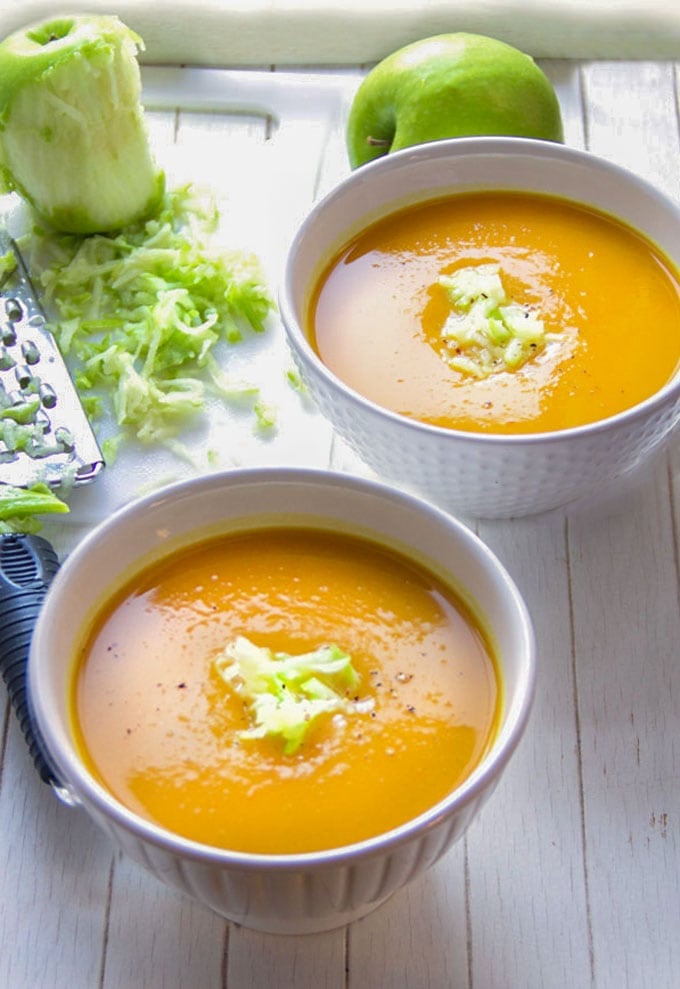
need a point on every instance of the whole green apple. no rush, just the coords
(451, 85)
(73, 140)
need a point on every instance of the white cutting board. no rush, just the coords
(262, 187)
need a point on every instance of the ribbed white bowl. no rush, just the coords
(481, 475)
(279, 893)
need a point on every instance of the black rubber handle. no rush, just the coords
(27, 566)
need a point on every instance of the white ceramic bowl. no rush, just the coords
(480, 475)
(279, 893)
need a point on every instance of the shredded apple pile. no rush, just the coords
(286, 694)
(138, 314)
(19, 507)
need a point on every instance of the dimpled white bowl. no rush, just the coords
(291, 894)
(474, 474)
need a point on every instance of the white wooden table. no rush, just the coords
(571, 877)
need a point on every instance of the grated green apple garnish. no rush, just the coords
(266, 416)
(138, 314)
(487, 332)
(21, 430)
(20, 506)
(286, 694)
(8, 263)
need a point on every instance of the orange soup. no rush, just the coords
(174, 741)
(608, 301)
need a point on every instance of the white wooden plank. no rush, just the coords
(631, 118)
(419, 937)
(159, 937)
(627, 628)
(4, 728)
(314, 961)
(674, 481)
(526, 852)
(626, 642)
(54, 882)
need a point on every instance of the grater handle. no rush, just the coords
(27, 566)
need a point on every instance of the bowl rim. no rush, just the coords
(84, 789)
(456, 148)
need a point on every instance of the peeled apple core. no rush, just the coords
(73, 139)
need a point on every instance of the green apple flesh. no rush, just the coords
(73, 139)
(451, 85)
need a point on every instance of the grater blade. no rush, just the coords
(36, 390)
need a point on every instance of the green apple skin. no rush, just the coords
(73, 140)
(28, 55)
(451, 85)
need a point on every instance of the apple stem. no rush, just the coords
(377, 142)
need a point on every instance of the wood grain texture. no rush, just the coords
(627, 629)
(571, 875)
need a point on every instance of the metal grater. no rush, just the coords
(36, 391)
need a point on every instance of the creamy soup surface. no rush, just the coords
(162, 731)
(611, 299)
